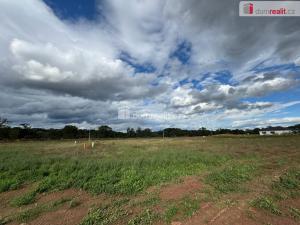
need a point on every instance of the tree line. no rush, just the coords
(25, 131)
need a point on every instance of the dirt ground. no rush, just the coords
(226, 209)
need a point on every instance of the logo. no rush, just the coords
(248, 8)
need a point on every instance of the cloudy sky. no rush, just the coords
(169, 63)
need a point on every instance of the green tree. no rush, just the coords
(3, 122)
(70, 131)
(105, 131)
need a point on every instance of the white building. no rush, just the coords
(274, 132)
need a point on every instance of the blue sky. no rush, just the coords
(170, 63)
(74, 9)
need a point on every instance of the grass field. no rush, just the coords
(212, 180)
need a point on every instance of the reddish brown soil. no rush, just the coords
(235, 216)
(66, 194)
(6, 197)
(239, 214)
(64, 215)
(67, 215)
(176, 191)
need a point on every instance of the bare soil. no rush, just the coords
(189, 186)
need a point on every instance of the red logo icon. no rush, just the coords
(248, 8)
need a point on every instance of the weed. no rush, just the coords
(147, 217)
(230, 178)
(106, 214)
(170, 212)
(189, 206)
(25, 199)
(4, 221)
(288, 184)
(33, 213)
(129, 174)
(266, 203)
(154, 200)
(295, 213)
(74, 203)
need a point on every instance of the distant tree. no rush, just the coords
(255, 131)
(55, 133)
(105, 131)
(14, 133)
(147, 132)
(3, 122)
(26, 132)
(203, 132)
(139, 132)
(25, 125)
(130, 132)
(70, 131)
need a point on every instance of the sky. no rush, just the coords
(147, 63)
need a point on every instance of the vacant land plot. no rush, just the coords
(213, 180)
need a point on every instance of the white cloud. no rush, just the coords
(80, 61)
(266, 122)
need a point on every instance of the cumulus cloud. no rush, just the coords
(262, 123)
(191, 58)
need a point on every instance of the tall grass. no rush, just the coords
(127, 174)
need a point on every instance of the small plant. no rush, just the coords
(190, 206)
(266, 203)
(147, 217)
(74, 203)
(30, 214)
(104, 215)
(33, 213)
(151, 201)
(4, 221)
(288, 184)
(170, 213)
(295, 213)
(230, 178)
(25, 199)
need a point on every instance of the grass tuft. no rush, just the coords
(25, 199)
(104, 215)
(190, 206)
(170, 213)
(266, 203)
(130, 173)
(74, 203)
(288, 184)
(230, 178)
(33, 213)
(295, 213)
(147, 217)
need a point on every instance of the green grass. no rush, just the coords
(295, 213)
(170, 213)
(189, 206)
(147, 217)
(288, 185)
(184, 208)
(231, 178)
(122, 175)
(33, 213)
(151, 201)
(4, 221)
(24, 199)
(267, 204)
(104, 215)
(125, 169)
